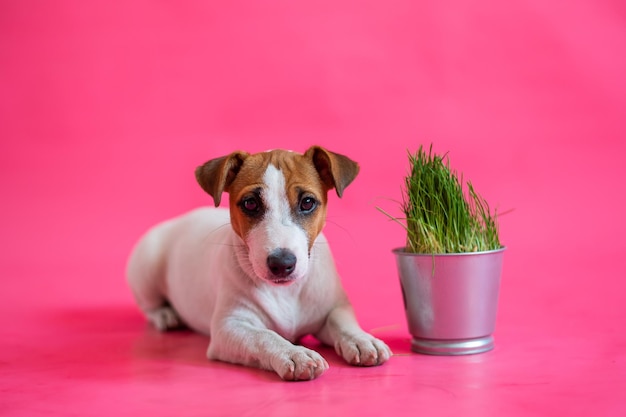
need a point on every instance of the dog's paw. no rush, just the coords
(164, 318)
(299, 364)
(362, 349)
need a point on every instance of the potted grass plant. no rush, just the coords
(450, 266)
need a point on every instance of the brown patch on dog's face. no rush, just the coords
(304, 191)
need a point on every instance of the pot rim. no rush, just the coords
(401, 251)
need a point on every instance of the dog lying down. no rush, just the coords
(259, 276)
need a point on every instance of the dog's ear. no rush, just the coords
(217, 174)
(336, 171)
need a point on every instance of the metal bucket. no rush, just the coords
(451, 300)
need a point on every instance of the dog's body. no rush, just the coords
(258, 277)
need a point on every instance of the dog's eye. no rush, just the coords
(251, 205)
(307, 205)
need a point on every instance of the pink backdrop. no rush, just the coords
(106, 108)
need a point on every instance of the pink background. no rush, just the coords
(106, 107)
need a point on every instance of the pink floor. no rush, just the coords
(73, 344)
(107, 107)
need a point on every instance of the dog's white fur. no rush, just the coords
(196, 270)
(278, 229)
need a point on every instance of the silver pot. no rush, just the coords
(451, 300)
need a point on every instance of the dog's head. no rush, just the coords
(277, 203)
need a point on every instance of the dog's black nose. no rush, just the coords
(281, 262)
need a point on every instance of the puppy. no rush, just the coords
(260, 276)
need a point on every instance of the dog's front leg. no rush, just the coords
(357, 347)
(242, 342)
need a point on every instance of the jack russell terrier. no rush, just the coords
(260, 276)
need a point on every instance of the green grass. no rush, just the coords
(440, 215)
